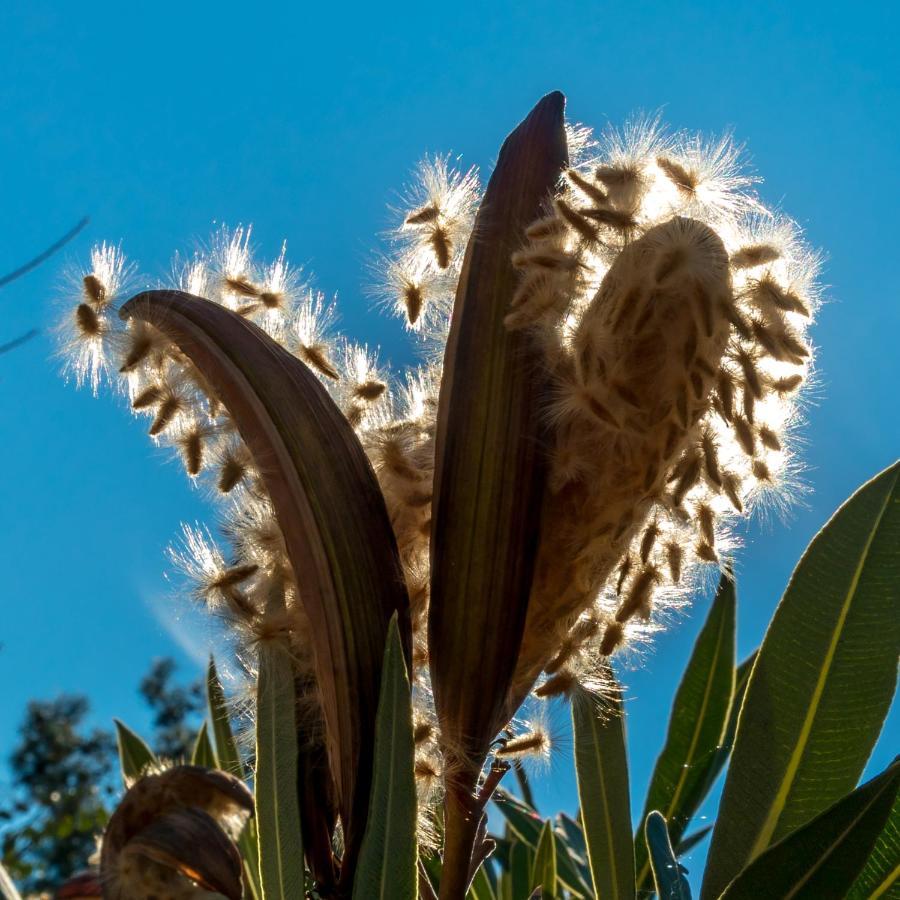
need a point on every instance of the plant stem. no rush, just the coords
(461, 824)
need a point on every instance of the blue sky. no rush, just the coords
(161, 120)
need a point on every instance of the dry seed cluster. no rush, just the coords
(670, 309)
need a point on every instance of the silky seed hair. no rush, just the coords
(671, 311)
(671, 308)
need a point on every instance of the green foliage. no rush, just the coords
(543, 873)
(135, 757)
(61, 772)
(823, 857)
(821, 686)
(668, 879)
(387, 862)
(277, 809)
(697, 727)
(601, 766)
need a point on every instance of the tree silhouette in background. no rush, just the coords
(65, 777)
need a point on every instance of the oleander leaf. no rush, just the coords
(601, 767)
(880, 876)
(668, 877)
(697, 727)
(388, 860)
(821, 685)
(823, 857)
(7, 888)
(543, 873)
(278, 823)
(135, 757)
(203, 753)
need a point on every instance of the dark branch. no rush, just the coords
(34, 263)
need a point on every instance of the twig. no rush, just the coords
(21, 339)
(46, 254)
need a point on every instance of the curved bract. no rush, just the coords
(329, 508)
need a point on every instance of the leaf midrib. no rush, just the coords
(698, 722)
(780, 801)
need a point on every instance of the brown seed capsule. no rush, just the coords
(147, 397)
(234, 576)
(689, 477)
(231, 473)
(707, 522)
(94, 290)
(192, 450)
(761, 470)
(648, 540)
(369, 390)
(421, 216)
(545, 228)
(87, 320)
(639, 595)
(744, 434)
(624, 569)
(422, 732)
(612, 637)
(751, 375)
(682, 178)
(165, 413)
(731, 486)
(561, 683)
(525, 744)
(588, 188)
(711, 459)
(242, 286)
(767, 292)
(441, 245)
(413, 300)
(769, 438)
(612, 218)
(576, 221)
(754, 255)
(674, 557)
(706, 552)
(787, 385)
(314, 355)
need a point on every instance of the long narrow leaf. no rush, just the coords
(134, 755)
(821, 685)
(689, 841)
(880, 876)
(524, 822)
(668, 879)
(277, 808)
(490, 466)
(521, 863)
(822, 858)
(387, 862)
(481, 887)
(203, 753)
(543, 874)
(601, 766)
(330, 511)
(697, 726)
(228, 759)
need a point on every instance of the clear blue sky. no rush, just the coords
(161, 119)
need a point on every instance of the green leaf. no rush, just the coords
(387, 861)
(823, 857)
(880, 876)
(601, 766)
(543, 873)
(687, 843)
(228, 760)
(331, 514)
(697, 726)
(277, 808)
(574, 834)
(203, 753)
(134, 755)
(490, 465)
(571, 870)
(481, 887)
(521, 863)
(668, 880)
(524, 822)
(821, 685)
(7, 888)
